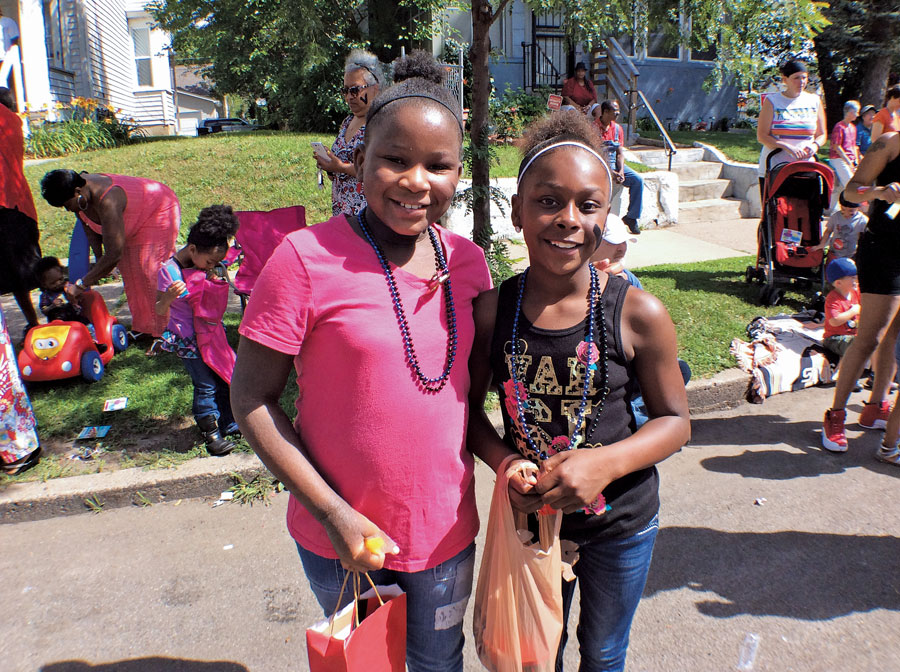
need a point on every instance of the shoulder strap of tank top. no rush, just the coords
(103, 195)
(614, 300)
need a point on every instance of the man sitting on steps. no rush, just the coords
(614, 139)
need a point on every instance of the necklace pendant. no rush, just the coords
(437, 280)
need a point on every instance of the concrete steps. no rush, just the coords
(699, 170)
(703, 195)
(709, 210)
(703, 190)
(657, 158)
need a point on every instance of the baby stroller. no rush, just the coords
(795, 196)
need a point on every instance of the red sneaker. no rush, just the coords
(875, 416)
(833, 437)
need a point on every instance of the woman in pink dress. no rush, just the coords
(132, 223)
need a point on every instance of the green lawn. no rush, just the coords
(249, 171)
(710, 305)
(742, 147)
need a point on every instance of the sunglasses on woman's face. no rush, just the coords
(353, 91)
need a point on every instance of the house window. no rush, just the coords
(140, 37)
(698, 53)
(708, 54)
(53, 34)
(660, 45)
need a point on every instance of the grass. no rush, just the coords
(710, 305)
(249, 171)
(743, 147)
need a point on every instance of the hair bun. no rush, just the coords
(418, 64)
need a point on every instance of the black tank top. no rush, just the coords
(886, 229)
(554, 370)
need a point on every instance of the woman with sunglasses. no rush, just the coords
(362, 80)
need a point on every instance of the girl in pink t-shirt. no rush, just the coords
(375, 313)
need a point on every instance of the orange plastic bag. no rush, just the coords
(518, 601)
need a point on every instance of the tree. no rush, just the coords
(289, 53)
(856, 53)
(750, 34)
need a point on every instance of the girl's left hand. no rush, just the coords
(571, 480)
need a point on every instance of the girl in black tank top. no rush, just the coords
(567, 347)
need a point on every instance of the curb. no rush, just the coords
(20, 502)
(205, 477)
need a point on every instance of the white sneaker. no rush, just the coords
(889, 455)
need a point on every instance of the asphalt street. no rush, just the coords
(762, 534)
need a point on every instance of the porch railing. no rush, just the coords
(539, 70)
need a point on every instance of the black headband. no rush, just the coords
(375, 109)
(793, 67)
(370, 71)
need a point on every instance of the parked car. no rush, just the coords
(230, 125)
(67, 349)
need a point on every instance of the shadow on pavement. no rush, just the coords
(154, 664)
(801, 575)
(760, 430)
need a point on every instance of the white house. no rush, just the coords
(108, 50)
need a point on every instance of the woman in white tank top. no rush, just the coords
(793, 120)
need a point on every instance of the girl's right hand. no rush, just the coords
(348, 532)
(523, 475)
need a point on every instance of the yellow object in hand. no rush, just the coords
(374, 544)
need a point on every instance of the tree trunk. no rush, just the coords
(831, 86)
(479, 53)
(878, 68)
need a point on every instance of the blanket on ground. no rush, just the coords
(784, 354)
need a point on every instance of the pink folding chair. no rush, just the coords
(258, 236)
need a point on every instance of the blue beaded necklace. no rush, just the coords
(593, 306)
(441, 276)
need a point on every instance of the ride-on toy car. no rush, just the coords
(60, 349)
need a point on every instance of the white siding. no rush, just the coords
(110, 54)
(154, 108)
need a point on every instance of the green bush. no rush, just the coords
(85, 125)
(515, 109)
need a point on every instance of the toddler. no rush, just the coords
(841, 305)
(53, 302)
(208, 361)
(843, 230)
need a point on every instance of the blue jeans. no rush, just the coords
(639, 408)
(612, 574)
(436, 602)
(211, 395)
(635, 186)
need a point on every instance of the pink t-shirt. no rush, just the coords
(393, 452)
(843, 135)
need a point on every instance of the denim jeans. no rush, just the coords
(635, 186)
(436, 602)
(611, 575)
(211, 395)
